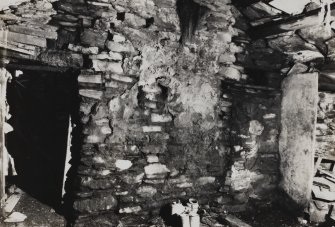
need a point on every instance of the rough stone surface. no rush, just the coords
(297, 138)
(154, 122)
(255, 167)
(138, 107)
(95, 204)
(146, 191)
(325, 134)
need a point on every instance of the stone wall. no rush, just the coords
(297, 137)
(325, 133)
(254, 124)
(255, 117)
(155, 123)
(151, 105)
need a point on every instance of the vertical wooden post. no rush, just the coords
(4, 75)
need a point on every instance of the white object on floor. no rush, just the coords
(11, 202)
(195, 220)
(15, 217)
(177, 208)
(185, 220)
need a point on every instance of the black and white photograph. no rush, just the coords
(167, 113)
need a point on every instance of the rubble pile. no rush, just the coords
(321, 207)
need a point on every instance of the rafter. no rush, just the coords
(291, 23)
(246, 3)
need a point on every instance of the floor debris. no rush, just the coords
(235, 222)
(15, 217)
(323, 196)
(320, 193)
(29, 212)
(12, 201)
(325, 183)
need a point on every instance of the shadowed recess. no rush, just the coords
(189, 14)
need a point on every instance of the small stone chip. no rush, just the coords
(152, 159)
(152, 128)
(205, 180)
(129, 210)
(146, 191)
(123, 164)
(160, 118)
(156, 168)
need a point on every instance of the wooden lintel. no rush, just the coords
(292, 23)
(36, 68)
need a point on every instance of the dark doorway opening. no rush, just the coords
(41, 104)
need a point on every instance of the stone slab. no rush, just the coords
(23, 38)
(297, 138)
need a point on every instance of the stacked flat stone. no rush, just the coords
(325, 133)
(25, 30)
(28, 34)
(252, 129)
(152, 130)
(153, 121)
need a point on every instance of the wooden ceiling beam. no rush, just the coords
(36, 68)
(291, 23)
(246, 3)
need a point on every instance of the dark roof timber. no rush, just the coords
(36, 68)
(246, 3)
(292, 23)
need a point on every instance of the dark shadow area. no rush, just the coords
(189, 14)
(170, 220)
(41, 104)
(71, 184)
(269, 216)
(277, 215)
(326, 82)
